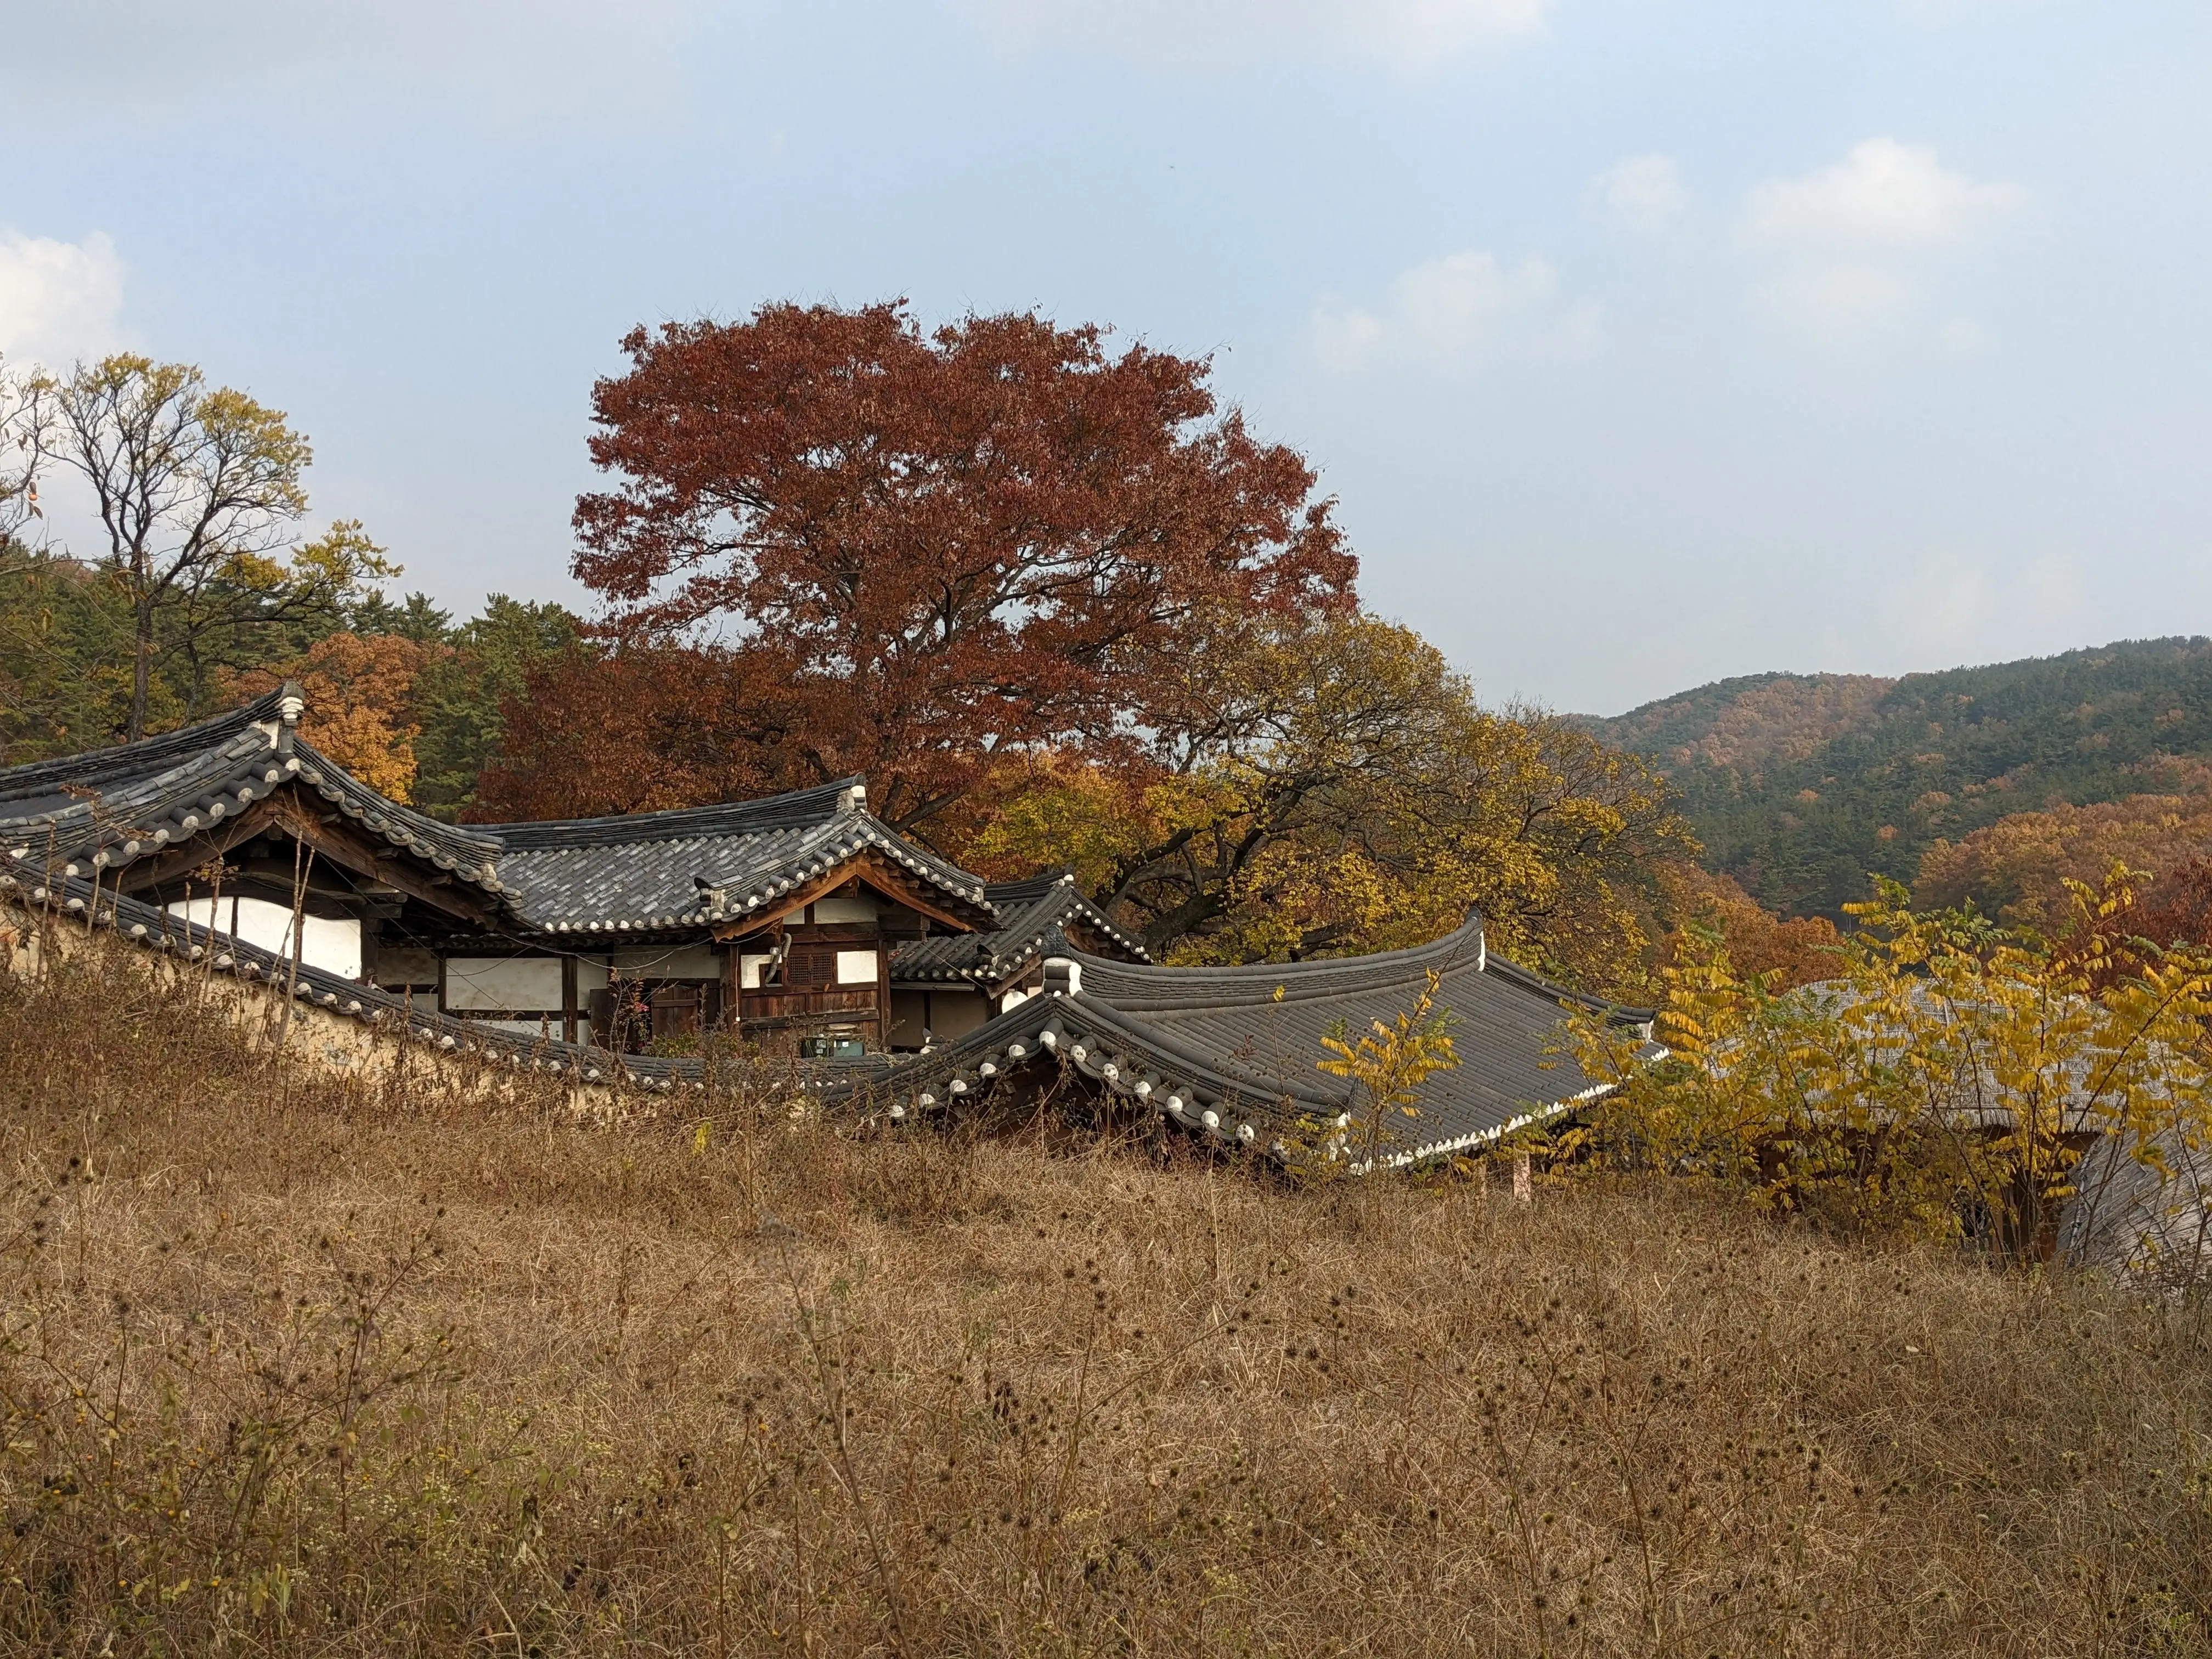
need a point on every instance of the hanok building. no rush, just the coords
(801, 924)
(1230, 1054)
(790, 921)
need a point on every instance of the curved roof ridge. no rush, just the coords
(1032, 918)
(434, 832)
(790, 809)
(145, 757)
(1031, 888)
(1258, 981)
(1246, 1069)
(1530, 980)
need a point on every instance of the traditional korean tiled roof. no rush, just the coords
(2148, 1217)
(699, 866)
(1231, 1063)
(645, 872)
(111, 807)
(1230, 1054)
(1033, 918)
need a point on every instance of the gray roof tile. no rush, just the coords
(1033, 917)
(645, 872)
(111, 807)
(702, 865)
(1243, 1044)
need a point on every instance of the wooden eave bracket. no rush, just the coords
(868, 866)
(342, 845)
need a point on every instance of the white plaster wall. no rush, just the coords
(501, 985)
(332, 944)
(862, 909)
(856, 966)
(670, 962)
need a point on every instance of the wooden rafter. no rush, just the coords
(869, 866)
(333, 838)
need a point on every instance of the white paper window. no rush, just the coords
(856, 966)
(493, 985)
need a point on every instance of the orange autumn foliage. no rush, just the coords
(931, 548)
(647, 727)
(2016, 869)
(1793, 951)
(360, 692)
(1775, 724)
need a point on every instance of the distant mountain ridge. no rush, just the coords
(1800, 784)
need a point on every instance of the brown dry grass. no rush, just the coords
(295, 1363)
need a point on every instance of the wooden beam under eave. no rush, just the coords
(341, 843)
(373, 856)
(871, 867)
(202, 846)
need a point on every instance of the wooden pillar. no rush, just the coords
(567, 999)
(883, 991)
(733, 992)
(1524, 1182)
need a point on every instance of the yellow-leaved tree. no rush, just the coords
(1386, 1066)
(360, 692)
(1327, 786)
(1949, 1075)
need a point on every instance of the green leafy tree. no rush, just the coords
(1327, 786)
(415, 619)
(250, 610)
(65, 651)
(69, 639)
(461, 700)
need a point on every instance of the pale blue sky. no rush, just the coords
(1643, 341)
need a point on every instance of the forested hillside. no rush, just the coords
(1801, 784)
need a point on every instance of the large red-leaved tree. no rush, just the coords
(937, 548)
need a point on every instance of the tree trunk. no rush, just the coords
(141, 666)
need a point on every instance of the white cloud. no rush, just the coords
(1412, 33)
(1883, 195)
(58, 301)
(1851, 244)
(1442, 309)
(1644, 192)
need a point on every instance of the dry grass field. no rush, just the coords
(298, 1363)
